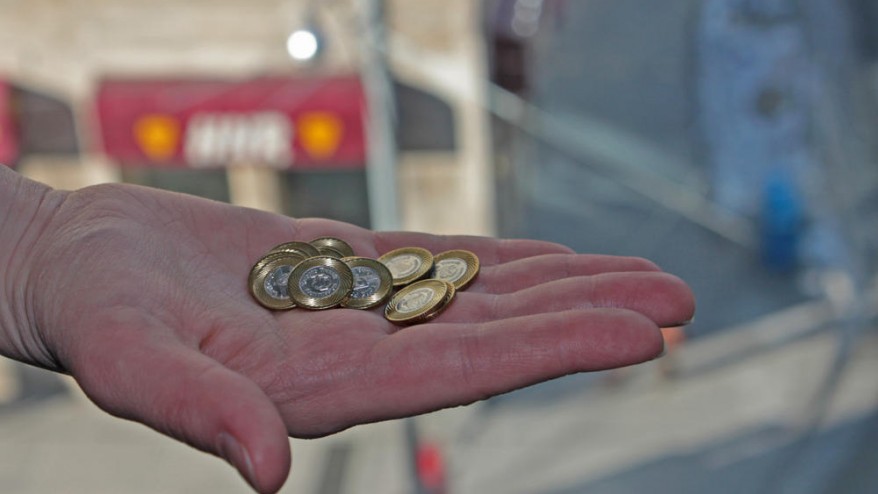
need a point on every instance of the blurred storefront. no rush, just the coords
(187, 135)
(35, 125)
(76, 49)
(8, 132)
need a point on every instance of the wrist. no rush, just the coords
(26, 207)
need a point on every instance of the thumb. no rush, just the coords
(141, 376)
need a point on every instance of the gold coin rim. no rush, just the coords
(336, 298)
(263, 268)
(267, 258)
(438, 303)
(473, 266)
(449, 296)
(335, 244)
(329, 251)
(385, 289)
(296, 247)
(425, 269)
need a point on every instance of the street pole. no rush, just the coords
(381, 176)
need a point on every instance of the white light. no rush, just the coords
(302, 45)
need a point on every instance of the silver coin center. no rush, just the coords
(366, 282)
(319, 282)
(276, 283)
(404, 265)
(451, 269)
(416, 300)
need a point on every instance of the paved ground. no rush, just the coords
(733, 418)
(63, 443)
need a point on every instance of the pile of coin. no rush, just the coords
(325, 273)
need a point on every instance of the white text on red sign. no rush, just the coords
(215, 139)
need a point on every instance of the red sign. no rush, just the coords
(8, 133)
(278, 122)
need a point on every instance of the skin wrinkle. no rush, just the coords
(316, 415)
(485, 307)
(192, 258)
(606, 348)
(546, 268)
(251, 227)
(123, 305)
(506, 361)
(412, 364)
(98, 369)
(467, 370)
(178, 409)
(135, 193)
(235, 351)
(256, 224)
(347, 395)
(315, 376)
(212, 250)
(457, 359)
(382, 243)
(218, 334)
(183, 294)
(25, 336)
(13, 267)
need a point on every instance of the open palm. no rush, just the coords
(142, 296)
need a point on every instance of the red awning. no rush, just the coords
(9, 146)
(278, 122)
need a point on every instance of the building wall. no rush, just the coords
(65, 47)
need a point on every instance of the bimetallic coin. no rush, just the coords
(329, 251)
(269, 279)
(373, 283)
(272, 257)
(419, 302)
(302, 248)
(458, 267)
(335, 244)
(320, 282)
(407, 264)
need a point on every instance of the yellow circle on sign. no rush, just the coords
(320, 133)
(158, 136)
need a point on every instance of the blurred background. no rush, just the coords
(731, 141)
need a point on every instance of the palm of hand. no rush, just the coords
(152, 316)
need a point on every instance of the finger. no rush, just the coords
(188, 396)
(371, 244)
(524, 273)
(432, 366)
(663, 298)
(489, 250)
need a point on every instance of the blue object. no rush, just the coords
(782, 221)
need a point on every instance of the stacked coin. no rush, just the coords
(325, 273)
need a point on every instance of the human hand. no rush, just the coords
(141, 295)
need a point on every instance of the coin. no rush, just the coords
(335, 244)
(320, 282)
(268, 279)
(458, 267)
(273, 259)
(329, 251)
(305, 249)
(373, 283)
(407, 264)
(419, 302)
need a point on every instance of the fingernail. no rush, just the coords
(664, 349)
(230, 449)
